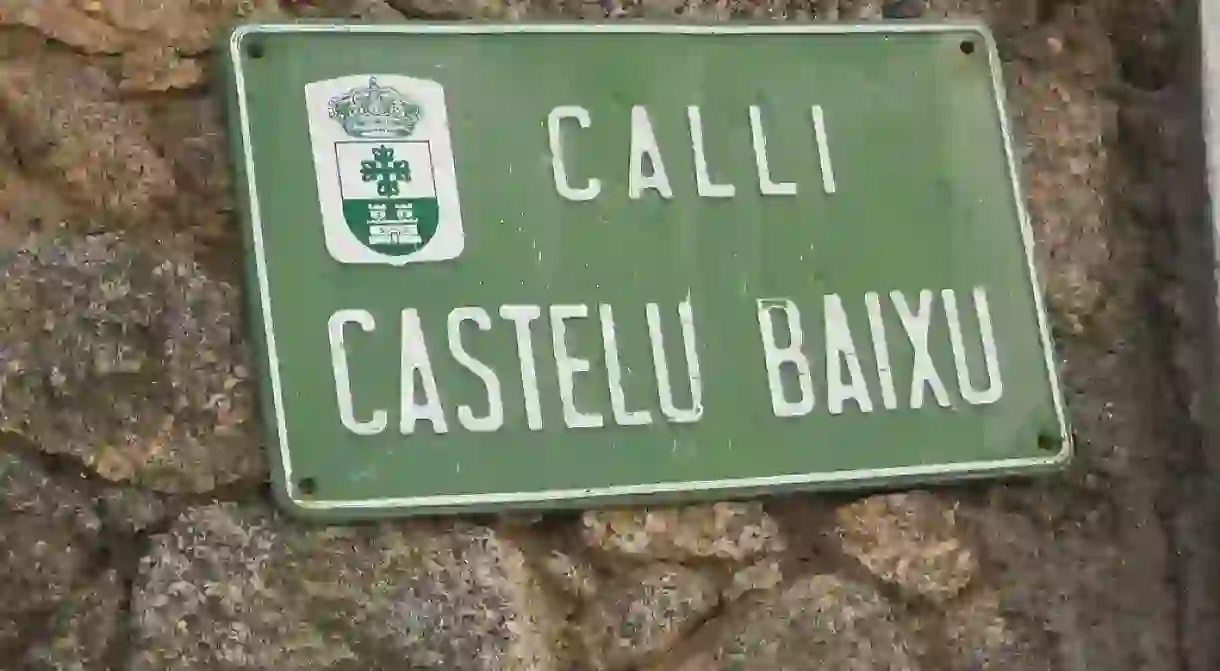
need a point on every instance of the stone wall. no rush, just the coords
(135, 530)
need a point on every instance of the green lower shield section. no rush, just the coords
(397, 227)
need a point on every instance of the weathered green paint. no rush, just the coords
(910, 188)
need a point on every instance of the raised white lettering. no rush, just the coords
(415, 361)
(690, 349)
(494, 419)
(343, 383)
(765, 185)
(819, 132)
(995, 386)
(841, 350)
(881, 351)
(923, 371)
(521, 316)
(567, 366)
(554, 126)
(644, 143)
(614, 373)
(775, 357)
(703, 179)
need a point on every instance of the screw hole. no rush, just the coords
(255, 50)
(1046, 442)
(308, 486)
(967, 47)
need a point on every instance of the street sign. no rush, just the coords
(526, 265)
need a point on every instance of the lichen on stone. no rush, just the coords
(980, 636)
(81, 632)
(159, 69)
(40, 567)
(573, 576)
(644, 612)
(131, 510)
(910, 539)
(75, 131)
(27, 489)
(114, 26)
(262, 593)
(764, 574)
(819, 622)
(48, 532)
(733, 531)
(130, 358)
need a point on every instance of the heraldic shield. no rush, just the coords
(383, 157)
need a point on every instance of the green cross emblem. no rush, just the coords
(386, 171)
(403, 214)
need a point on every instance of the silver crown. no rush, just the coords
(375, 111)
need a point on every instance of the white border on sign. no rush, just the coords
(1209, 25)
(460, 500)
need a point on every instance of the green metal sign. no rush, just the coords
(539, 265)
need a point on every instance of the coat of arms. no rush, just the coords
(387, 186)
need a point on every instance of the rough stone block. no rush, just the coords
(645, 612)
(75, 131)
(735, 531)
(259, 593)
(57, 612)
(819, 622)
(911, 540)
(129, 358)
(81, 632)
